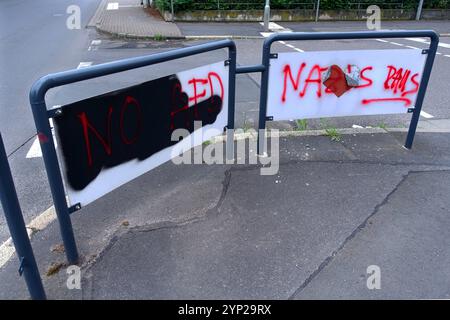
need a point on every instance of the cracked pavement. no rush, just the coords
(226, 232)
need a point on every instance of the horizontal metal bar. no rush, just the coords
(289, 36)
(41, 86)
(250, 69)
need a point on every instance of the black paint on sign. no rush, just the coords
(132, 123)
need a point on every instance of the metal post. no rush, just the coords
(172, 11)
(55, 179)
(263, 99)
(317, 10)
(419, 10)
(266, 16)
(16, 225)
(431, 53)
(231, 103)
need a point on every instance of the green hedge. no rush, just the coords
(181, 5)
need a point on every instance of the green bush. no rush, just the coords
(182, 5)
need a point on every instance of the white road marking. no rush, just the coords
(39, 223)
(94, 45)
(276, 27)
(425, 114)
(84, 64)
(267, 34)
(417, 39)
(440, 44)
(112, 6)
(411, 47)
(35, 149)
(447, 55)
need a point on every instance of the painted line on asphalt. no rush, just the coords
(276, 28)
(426, 114)
(39, 223)
(112, 6)
(440, 44)
(84, 64)
(35, 149)
(411, 47)
(94, 45)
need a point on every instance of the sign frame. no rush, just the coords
(295, 36)
(42, 115)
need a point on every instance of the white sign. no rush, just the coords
(102, 151)
(388, 82)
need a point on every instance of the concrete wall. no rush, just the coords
(301, 15)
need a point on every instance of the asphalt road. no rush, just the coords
(36, 41)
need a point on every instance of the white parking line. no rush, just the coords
(447, 55)
(35, 149)
(112, 6)
(39, 223)
(411, 47)
(426, 115)
(94, 45)
(276, 27)
(440, 44)
(84, 64)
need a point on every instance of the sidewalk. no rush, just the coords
(130, 19)
(226, 232)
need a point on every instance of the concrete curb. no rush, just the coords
(200, 37)
(193, 38)
(93, 21)
(293, 133)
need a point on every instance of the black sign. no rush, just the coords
(132, 123)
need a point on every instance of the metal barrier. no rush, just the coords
(339, 36)
(41, 114)
(41, 118)
(8, 196)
